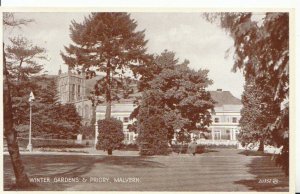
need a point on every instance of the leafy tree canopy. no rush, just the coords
(180, 93)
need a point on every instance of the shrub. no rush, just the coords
(48, 143)
(88, 132)
(110, 135)
(183, 149)
(153, 138)
(129, 147)
(153, 133)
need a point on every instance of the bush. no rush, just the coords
(88, 132)
(220, 146)
(183, 149)
(129, 147)
(62, 146)
(179, 148)
(153, 138)
(48, 143)
(110, 135)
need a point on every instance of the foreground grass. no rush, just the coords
(220, 170)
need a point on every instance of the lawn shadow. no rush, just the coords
(54, 167)
(268, 176)
(254, 153)
(210, 150)
(130, 161)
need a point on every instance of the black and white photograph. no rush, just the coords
(146, 101)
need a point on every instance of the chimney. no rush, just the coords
(219, 90)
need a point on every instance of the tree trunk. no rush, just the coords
(22, 180)
(93, 120)
(108, 92)
(108, 110)
(261, 146)
(109, 152)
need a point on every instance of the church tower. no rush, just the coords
(71, 87)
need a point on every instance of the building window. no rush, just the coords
(126, 119)
(78, 91)
(234, 119)
(217, 120)
(126, 137)
(72, 92)
(217, 135)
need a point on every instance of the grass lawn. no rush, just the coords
(218, 170)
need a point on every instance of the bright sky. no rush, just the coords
(187, 34)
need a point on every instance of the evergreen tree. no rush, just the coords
(153, 134)
(45, 110)
(23, 61)
(107, 43)
(261, 50)
(259, 111)
(22, 180)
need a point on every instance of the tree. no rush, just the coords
(259, 111)
(22, 56)
(261, 50)
(184, 92)
(180, 94)
(22, 180)
(110, 134)
(107, 43)
(253, 43)
(45, 110)
(23, 62)
(153, 134)
(187, 103)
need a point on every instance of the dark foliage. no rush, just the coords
(261, 51)
(152, 139)
(108, 43)
(110, 135)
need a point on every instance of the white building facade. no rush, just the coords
(225, 126)
(74, 88)
(120, 111)
(224, 129)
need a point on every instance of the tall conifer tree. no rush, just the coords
(110, 44)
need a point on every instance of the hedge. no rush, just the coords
(50, 143)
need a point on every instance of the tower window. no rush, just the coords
(78, 91)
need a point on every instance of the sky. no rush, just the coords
(187, 34)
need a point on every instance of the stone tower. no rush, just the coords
(71, 88)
